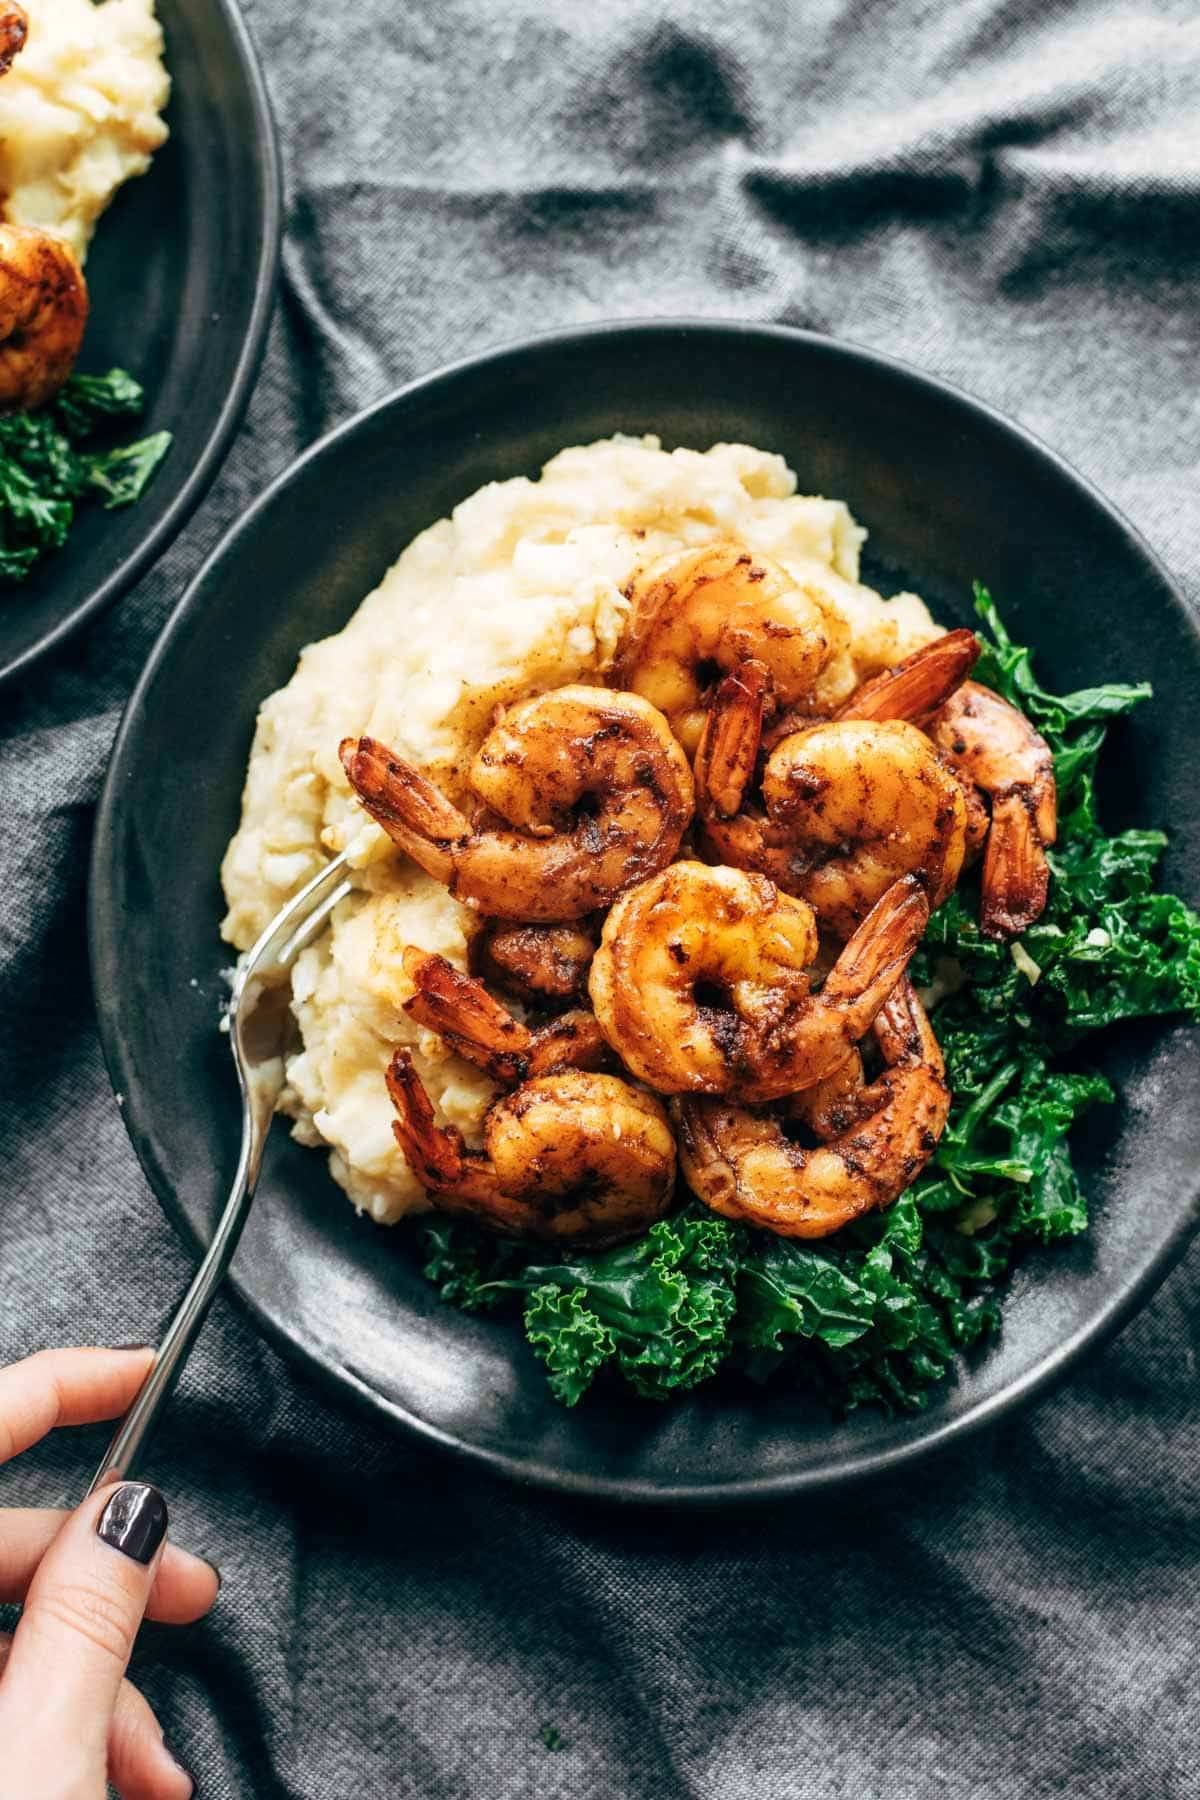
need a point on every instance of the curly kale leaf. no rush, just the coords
(658, 1309)
(45, 470)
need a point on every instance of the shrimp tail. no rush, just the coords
(410, 809)
(436, 1155)
(1016, 875)
(864, 975)
(916, 688)
(459, 1181)
(463, 1013)
(729, 744)
(475, 1026)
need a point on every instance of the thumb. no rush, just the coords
(82, 1614)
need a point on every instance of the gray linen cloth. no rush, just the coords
(1005, 192)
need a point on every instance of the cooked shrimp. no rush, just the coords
(462, 1011)
(697, 614)
(743, 1165)
(572, 1157)
(546, 965)
(43, 311)
(993, 748)
(848, 806)
(701, 982)
(14, 29)
(596, 790)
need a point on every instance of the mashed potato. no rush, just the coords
(79, 112)
(518, 592)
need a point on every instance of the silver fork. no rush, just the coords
(257, 1023)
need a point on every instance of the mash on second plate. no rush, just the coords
(519, 591)
(79, 112)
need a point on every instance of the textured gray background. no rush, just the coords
(1006, 193)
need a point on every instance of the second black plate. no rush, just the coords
(182, 278)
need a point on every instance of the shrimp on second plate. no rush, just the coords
(702, 982)
(847, 806)
(697, 614)
(879, 1137)
(14, 29)
(569, 1157)
(43, 312)
(595, 789)
(460, 1009)
(994, 749)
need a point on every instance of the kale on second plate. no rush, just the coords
(50, 462)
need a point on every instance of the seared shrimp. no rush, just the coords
(993, 748)
(701, 982)
(571, 1157)
(462, 1011)
(14, 29)
(592, 783)
(697, 614)
(43, 311)
(848, 806)
(546, 965)
(744, 1166)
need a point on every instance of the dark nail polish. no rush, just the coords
(133, 1346)
(134, 1521)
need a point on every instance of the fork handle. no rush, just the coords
(173, 1352)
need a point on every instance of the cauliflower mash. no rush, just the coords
(79, 112)
(519, 591)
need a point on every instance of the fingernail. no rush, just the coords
(133, 1346)
(134, 1521)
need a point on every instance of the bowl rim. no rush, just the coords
(104, 934)
(204, 471)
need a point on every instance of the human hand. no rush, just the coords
(68, 1717)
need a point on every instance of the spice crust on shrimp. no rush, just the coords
(879, 1137)
(702, 982)
(595, 790)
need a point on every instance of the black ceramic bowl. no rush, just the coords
(182, 277)
(950, 492)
